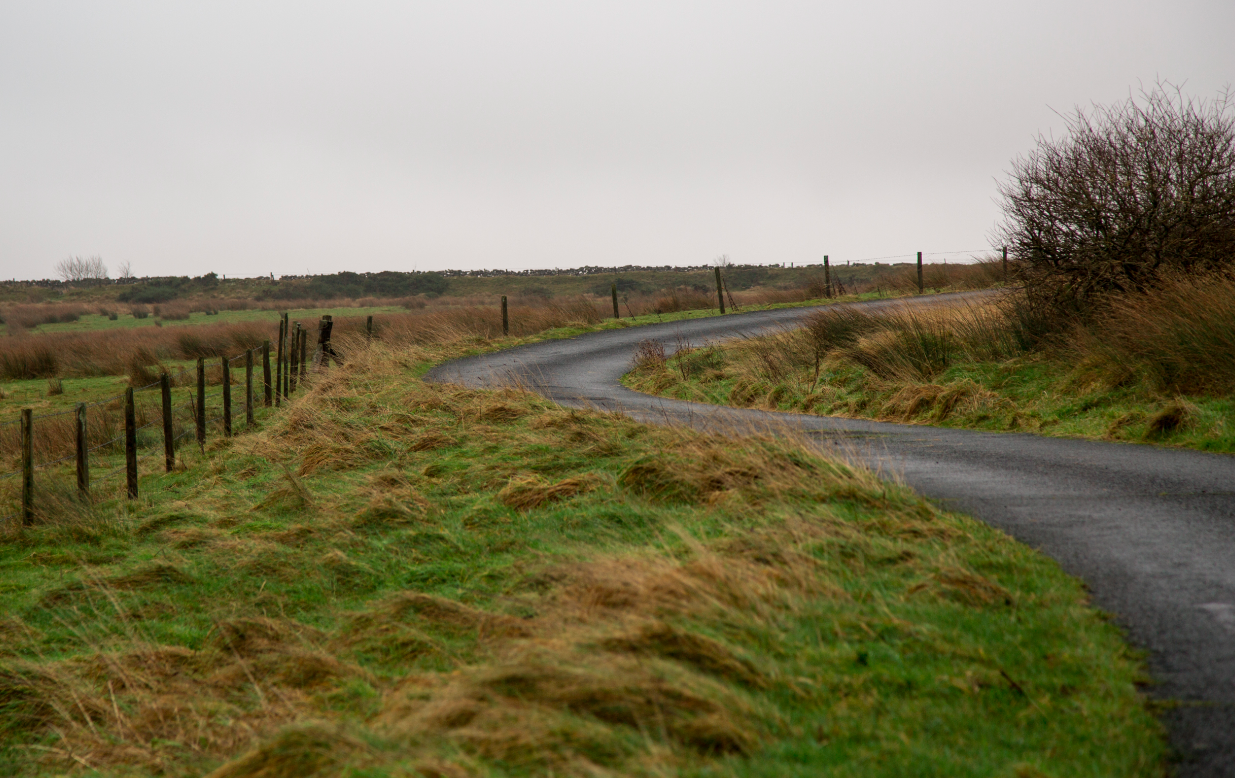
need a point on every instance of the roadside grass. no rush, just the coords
(398, 578)
(963, 366)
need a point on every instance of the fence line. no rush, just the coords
(293, 358)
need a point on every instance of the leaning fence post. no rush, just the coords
(505, 317)
(720, 292)
(248, 387)
(201, 402)
(267, 387)
(827, 277)
(1005, 264)
(27, 467)
(227, 397)
(613, 291)
(130, 442)
(920, 289)
(169, 436)
(83, 451)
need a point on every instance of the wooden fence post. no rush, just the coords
(227, 397)
(827, 277)
(1005, 264)
(83, 451)
(613, 291)
(368, 328)
(304, 353)
(324, 351)
(920, 289)
(201, 402)
(267, 387)
(248, 388)
(27, 467)
(293, 359)
(505, 317)
(287, 357)
(130, 442)
(278, 377)
(169, 433)
(720, 292)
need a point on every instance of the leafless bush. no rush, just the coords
(82, 269)
(650, 355)
(1134, 189)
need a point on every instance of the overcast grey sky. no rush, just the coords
(247, 138)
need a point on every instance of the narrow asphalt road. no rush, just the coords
(1151, 531)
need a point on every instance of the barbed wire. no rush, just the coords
(52, 415)
(56, 462)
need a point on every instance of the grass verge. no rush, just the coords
(396, 578)
(954, 366)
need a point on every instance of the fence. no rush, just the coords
(145, 421)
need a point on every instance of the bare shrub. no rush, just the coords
(1131, 191)
(81, 269)
(650, 355)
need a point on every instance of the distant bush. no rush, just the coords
(161, 290)
(141, 293)
(353, 285)
(140, 311)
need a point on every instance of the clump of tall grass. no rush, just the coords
(1178, 337)
(909, 342)
(29, 316)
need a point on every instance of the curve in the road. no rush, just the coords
(1151, 531)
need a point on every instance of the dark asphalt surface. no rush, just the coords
(1151, 531)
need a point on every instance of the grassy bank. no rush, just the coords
(1155, 370)
(394, 578)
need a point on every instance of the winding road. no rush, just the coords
(1151, 531)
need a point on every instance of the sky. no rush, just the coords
(249, 138)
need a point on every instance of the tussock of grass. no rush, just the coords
(1152, 367)
(538, 591)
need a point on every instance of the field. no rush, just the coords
(394, 578)
(1151, 369)
(384, 577)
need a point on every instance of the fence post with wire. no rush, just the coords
(112, 430)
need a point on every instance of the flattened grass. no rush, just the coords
(395, 578)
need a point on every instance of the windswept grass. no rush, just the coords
(1154, 367)
(396, 578)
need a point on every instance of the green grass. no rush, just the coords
(1032, 393)
(392, 577)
